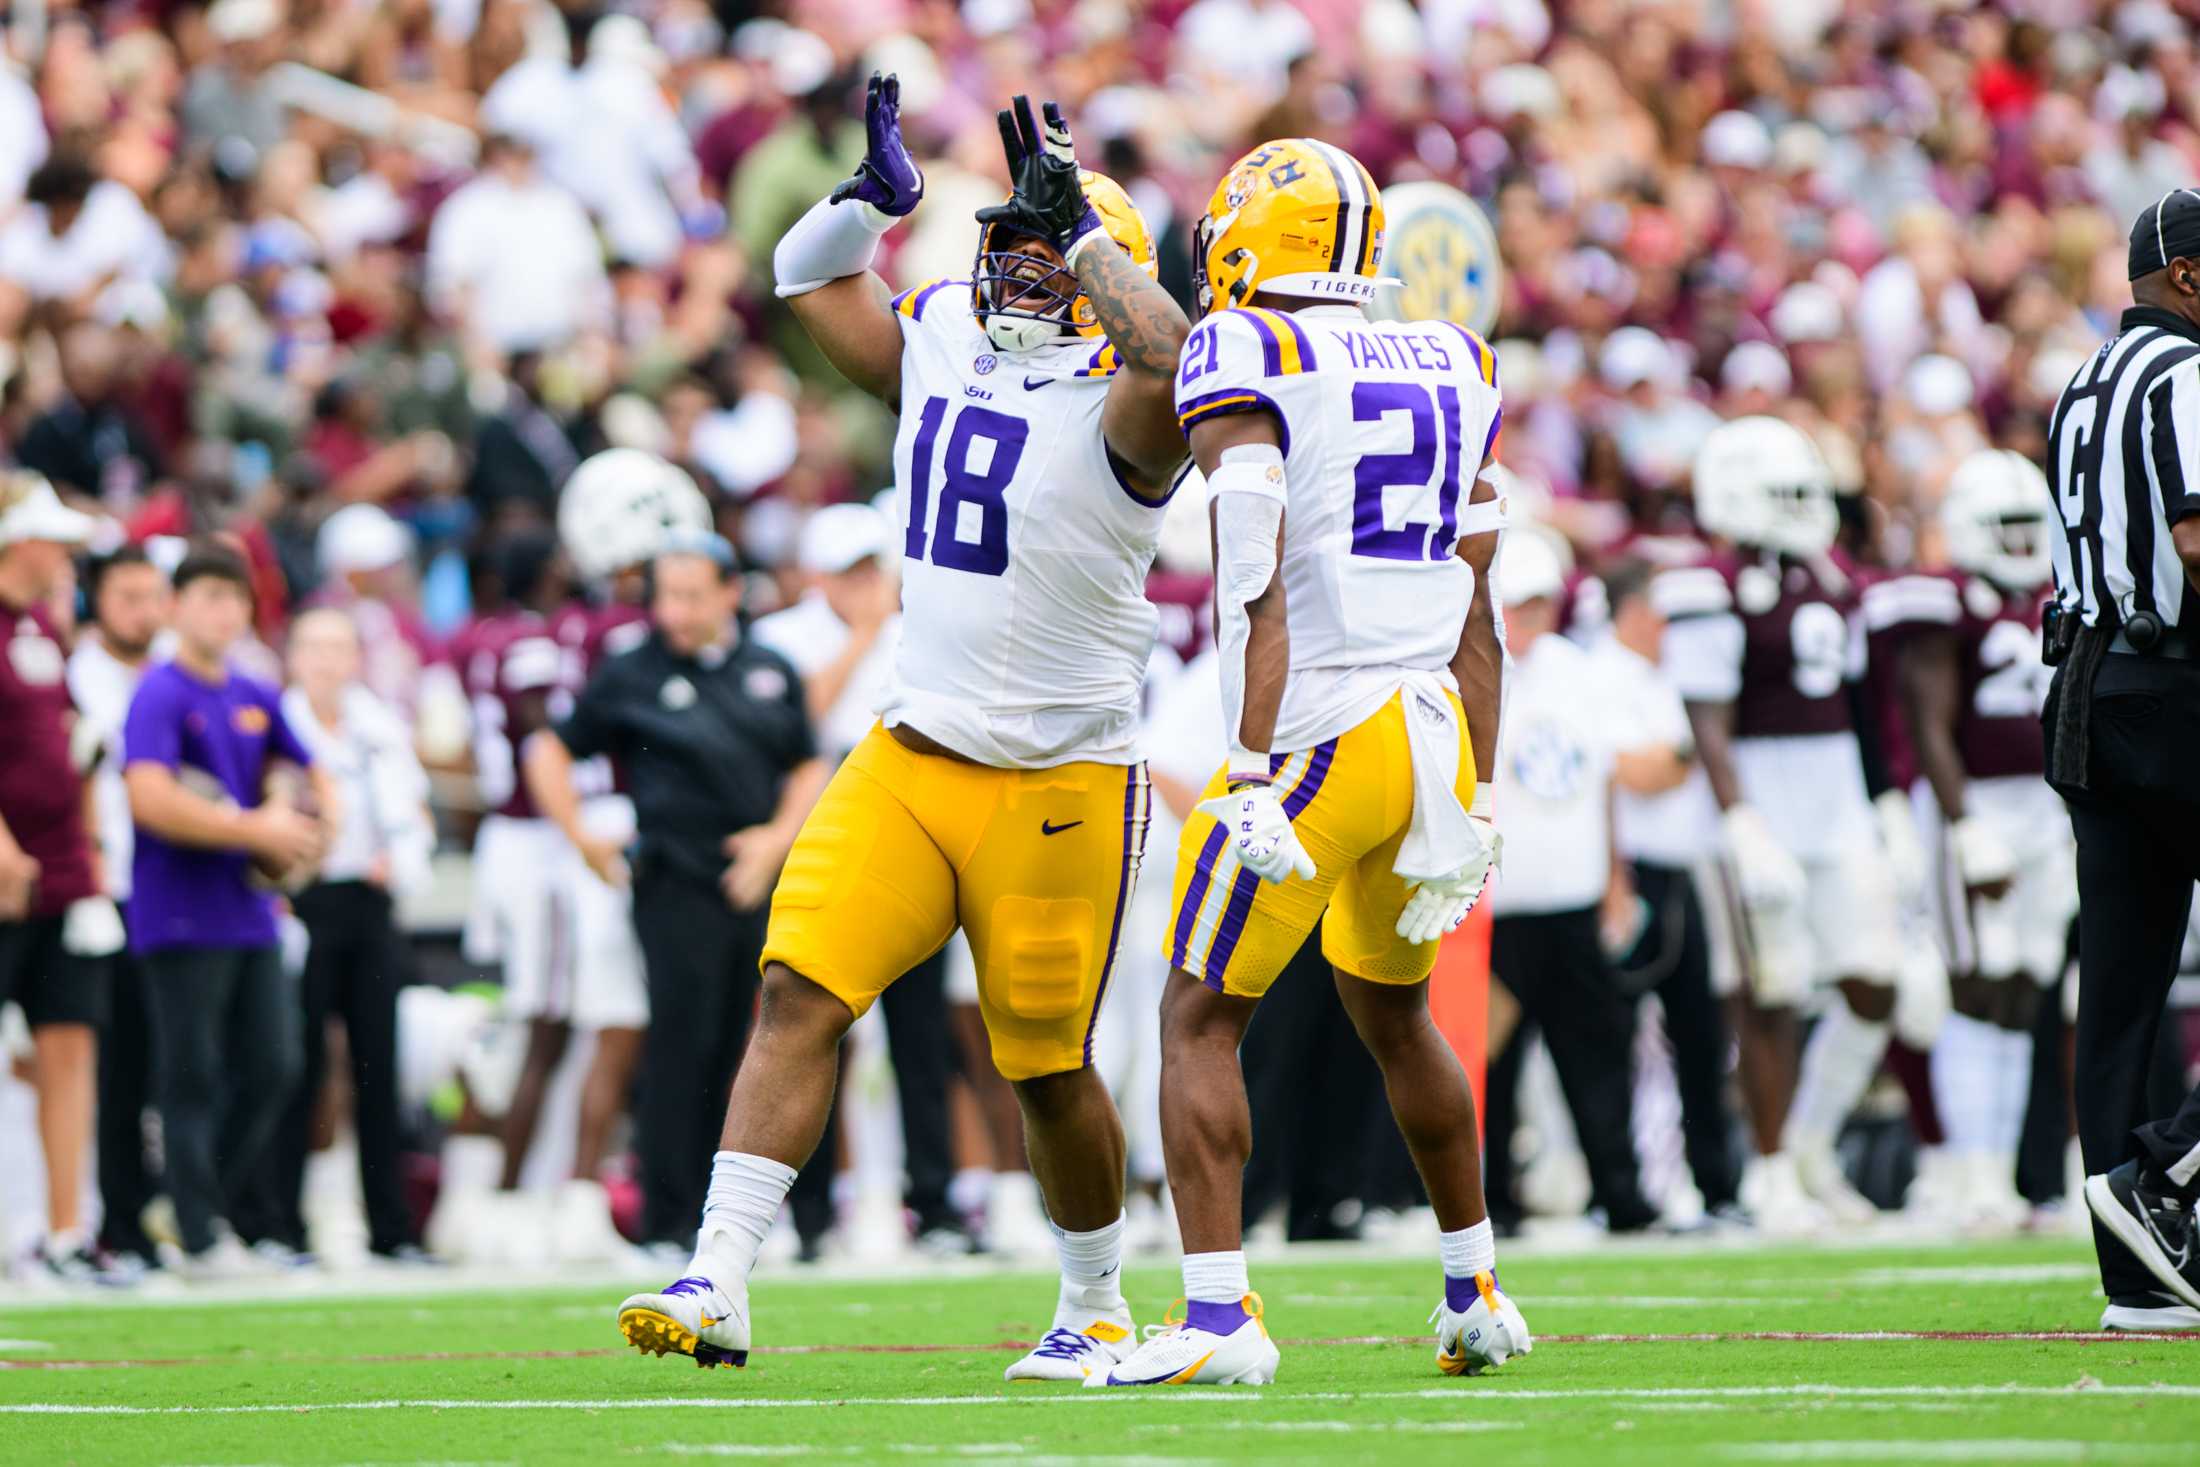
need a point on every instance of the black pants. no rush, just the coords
(1673, 960)
(127, 1180)
(354, 967)
(1310, 1141)
(701, 959)
(1554, 964)
(2138, 829)
(227, 1042)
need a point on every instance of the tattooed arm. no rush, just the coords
(1147, 328)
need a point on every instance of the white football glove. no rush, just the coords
(1983, 857)
(1434, 908)
(1266, 844)
(1769, 877)
(1898, 838)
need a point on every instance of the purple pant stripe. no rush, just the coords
(1247, 885)
(1133, 839)
(1195, 892)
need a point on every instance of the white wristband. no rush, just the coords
(1485, 800)
(1246, 764)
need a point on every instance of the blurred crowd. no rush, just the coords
(353, 288)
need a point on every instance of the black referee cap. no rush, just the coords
(2164, 230)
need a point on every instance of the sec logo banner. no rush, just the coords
(1443, 254)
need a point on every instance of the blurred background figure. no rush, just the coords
(355, 958)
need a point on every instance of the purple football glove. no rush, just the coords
(887, 179)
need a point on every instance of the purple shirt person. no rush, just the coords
(197, 747)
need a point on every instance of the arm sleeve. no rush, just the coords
(151, 732)
(1229, 362)
(592, 727)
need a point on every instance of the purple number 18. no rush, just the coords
(1372, 535)
(959, 485)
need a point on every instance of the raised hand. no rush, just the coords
(1047, 200)
(887, 179)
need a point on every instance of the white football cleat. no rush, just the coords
(1178, 1353)
(694, 1317)
(1774, 1196)
(581, 1229)
(1081, 1342)
(1820, 1172)
(1488, 1333)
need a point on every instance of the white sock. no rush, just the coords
(1966, 1083)
(745, 1193)
(1092, 1266)
(1216, 1278)
(1838, 1064)
(1468, 1251)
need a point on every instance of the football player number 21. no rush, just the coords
(1415, 468)
(976, 466)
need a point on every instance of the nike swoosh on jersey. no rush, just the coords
(1049, 829)
(1033, 384)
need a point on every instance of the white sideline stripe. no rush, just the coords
(1983, 1273)
(26, 1345)
(1980, 1449)
(771, 1403)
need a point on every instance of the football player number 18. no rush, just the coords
(976, 468)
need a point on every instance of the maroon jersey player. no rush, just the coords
(1766, 645)
(1974, 685)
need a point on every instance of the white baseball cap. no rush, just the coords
(232, 21)
(841, 535)
(1633, 355)
(361, 537)
(1737, 140)
(1528, 568)
(1756, 364)
(30, 510)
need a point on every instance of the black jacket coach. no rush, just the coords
(705, 744)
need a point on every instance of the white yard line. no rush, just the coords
(1980, 1273)
(1976, 1449)
(1455, 1394)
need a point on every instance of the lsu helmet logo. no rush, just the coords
(1443, 255)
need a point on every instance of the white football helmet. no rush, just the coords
(619, 505)
(1995, 516)
(1760, 482)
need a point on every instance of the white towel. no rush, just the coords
(1441, 839)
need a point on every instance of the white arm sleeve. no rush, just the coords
(831, 242)
(1248, 490)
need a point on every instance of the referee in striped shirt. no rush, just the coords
(2123, 743)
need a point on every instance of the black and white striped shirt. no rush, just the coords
(2124, 463)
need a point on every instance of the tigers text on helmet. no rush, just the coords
(1025, 301)
(618, 507)
(1995, 517)
(1293, 217)
(1760, 482)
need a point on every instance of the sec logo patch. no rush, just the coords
(985, 364)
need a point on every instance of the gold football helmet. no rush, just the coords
(1296, 217)
(1022, 307)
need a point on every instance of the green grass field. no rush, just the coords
(1663, 1355)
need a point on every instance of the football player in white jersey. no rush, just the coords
(1361, 659)
(1002, 790)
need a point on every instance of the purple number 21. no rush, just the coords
(1415, 468)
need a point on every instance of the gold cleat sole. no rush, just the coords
(656, 1333)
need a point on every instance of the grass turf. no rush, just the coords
(911, 1367)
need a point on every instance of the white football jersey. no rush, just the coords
(1026, 626)
(1385, 424)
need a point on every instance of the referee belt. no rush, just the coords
(2174, 645)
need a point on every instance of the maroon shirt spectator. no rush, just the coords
(41, 793)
